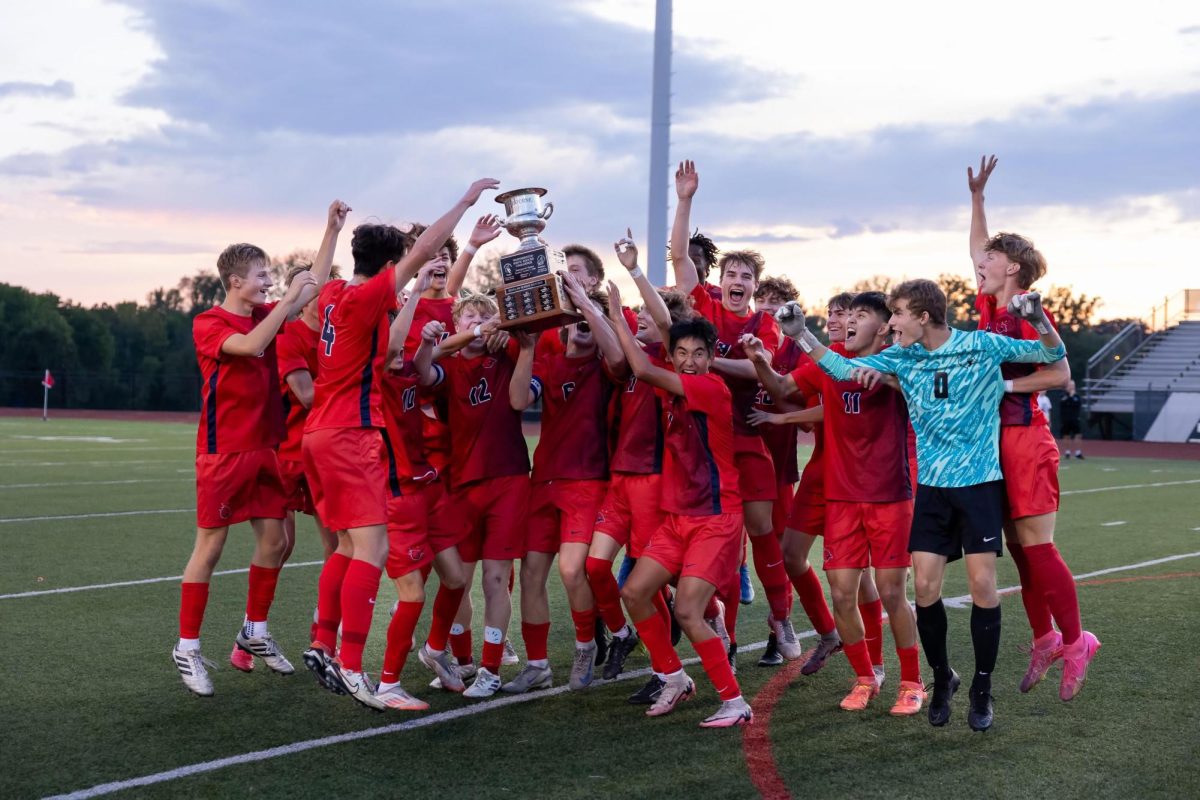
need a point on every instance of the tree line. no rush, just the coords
(140, 356)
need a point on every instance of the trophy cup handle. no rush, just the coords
(547, 210)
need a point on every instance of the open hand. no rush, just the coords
(486, 228)
(478, 188)
(759, 417)
(687, 180)
(300, 282)
(976, 182)
(866, 377)
(614, 304)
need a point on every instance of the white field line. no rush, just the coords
(1130, 486)
(97, 449)
(449, 716)
(6, 520)
(964, 600)
(122, 463)
(1113, 524)
(141, 582)
(353, 736)
(89, 483)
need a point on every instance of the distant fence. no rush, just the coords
(139, 391)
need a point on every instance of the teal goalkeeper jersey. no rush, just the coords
(953, 396)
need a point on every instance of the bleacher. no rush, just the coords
(1167, 361)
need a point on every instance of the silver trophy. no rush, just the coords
(532, 297)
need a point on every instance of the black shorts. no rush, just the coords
(951, 521)
(1069, 427)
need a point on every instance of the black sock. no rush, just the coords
(985, 636)
(931, 625)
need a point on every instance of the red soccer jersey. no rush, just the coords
(867, 436)
(296, 349)
(239, 395)
(699, 475)
(486, 438)
(809, 381)
(637, 428)
(781, 440)
(351, 353)
(405, 435)
(1016, 408)
(574, 441)
(428, 310)
(730, 328)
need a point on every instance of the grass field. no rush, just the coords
(90, 695)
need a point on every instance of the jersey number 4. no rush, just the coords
(479, 393)
(327, 332)
(852, 402)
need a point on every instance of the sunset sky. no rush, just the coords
(139, 138)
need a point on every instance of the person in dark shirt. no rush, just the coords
(1070, 409)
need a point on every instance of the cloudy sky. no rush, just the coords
(141, 137)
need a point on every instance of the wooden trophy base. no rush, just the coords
(535, 304)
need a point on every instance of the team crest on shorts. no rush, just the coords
(828, 554)
(416, 554)
(225, 511)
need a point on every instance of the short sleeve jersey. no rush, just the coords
(699, 475)
(730, 328)
(296, 349)
(404, 440)
(1016, 408)
(574, 440)
(351, 351)
(953, 395)
(866, 431)
(429, 309)
(486, 439)
(781, 440)
(1070, 407)
(637, 430)
(240, 408)
(809, 381)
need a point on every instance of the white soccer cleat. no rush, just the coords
(510, 656)
(357, 685)
(265, 648)
(717, 623)
(447, 673)
(485, 684)
(732, 713)
(676, 689)
(880, 675)
(192, 668)
(397, 699)
(785, 638)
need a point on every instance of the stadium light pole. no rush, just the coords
(660, 139)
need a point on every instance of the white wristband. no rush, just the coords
(1008, 387)
(470, 250)
(478, 331)
(807, 341)
(635, 273)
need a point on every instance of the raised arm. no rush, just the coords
(428, 242)
(398, 332)
(257, 340)
(427, 373)
(1028, 306)
(627, 254)
(867, 370)
(521, 394)
(979, 228)
(486, 228)
(687, 181)
(452, 344)
(606, 337)
(639, 363)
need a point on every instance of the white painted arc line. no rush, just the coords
(90, 483)
(326, 741)
(964, 600)
(140, 582)
(93, 516)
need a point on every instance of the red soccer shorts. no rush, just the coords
(785, 494)
(756, 471)
(235, 487)
(709, 548)
(495, 511)
(408, 532)
(295, 487)
(632, 510)
(446, 524)
(1029, 461)
(562, 512)
(808, 513)
(347, 476)
(861, 535)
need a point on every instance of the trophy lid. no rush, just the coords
(505, 197)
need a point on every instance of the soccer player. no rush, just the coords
(1070, 409)
(951, 382)
(732, 317)
(237, 470)
(700, 540)
(868, 498)
(1007, 265)
(343, 445)
(486, 393)
(570, 480)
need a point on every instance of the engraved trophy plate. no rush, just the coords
(532, 296)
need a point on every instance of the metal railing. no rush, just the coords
(1108, 359)
(1181, 306)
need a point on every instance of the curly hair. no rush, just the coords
(776, 285)
(707, 247)
(374, 245)
(485, 303)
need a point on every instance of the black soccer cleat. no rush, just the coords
(602, 636)
(771, 657)
(979, 715)
(646, 695)
(618, 651)
(939, 705)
